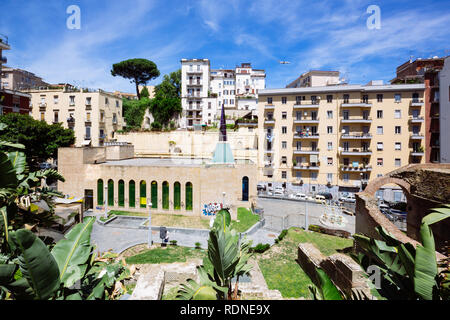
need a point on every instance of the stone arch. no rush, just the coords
(376, 184)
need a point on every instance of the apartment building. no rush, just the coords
(316, 78)
(426, 71)
(337, 138)
(18, 79)
(95, 116)
(444, 118)
(204, 90)
(11, 100)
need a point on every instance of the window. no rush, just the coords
(121, 193)
(397, 114)
(330, 161)
(365, 98)
(283, 100)
(117, 103)
(284, 130)
(380, 162)
(346, 177)
(298, 174)
(284, 144)
(189, 196)
(329, 177)
(209, 105)
(284, 115)
(165, 195)
(380, 130)
(379, 146)
(154, 194)
(100, 192)
(346, 98)
(314, 100)
(329, 129)
(398, 162)
(329, 98)
(110, 193)
(132, 194)
(245, 189)
(71, 100)
(298, 99)
(176, 196)
(398, 146)
(283, 174)
(379, 97)
(106, 101)
(330, 146)
(398, 97)
(398, 129)
(269, 100)
(56, 117)
(313, 176)
(88, 116)
(55, 99)
(330, 114)
(379, 114)
(42, 116)
(284, 160)
(142, 194)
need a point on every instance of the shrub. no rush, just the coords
(173, 242)
(313, 227)
(282, 234)
(198, 245)
(260, 248)
(156, 126)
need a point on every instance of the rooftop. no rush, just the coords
(165, 162)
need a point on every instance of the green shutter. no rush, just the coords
(121, 193)
(177, 196)
(132, 194)
(165, 191)
(110, 193)
(100, 192)
(154, 195)
(143, 194)
(189, 196)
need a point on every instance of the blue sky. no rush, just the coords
(323, 35)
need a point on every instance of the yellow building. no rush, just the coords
(337, 138)
(95, 116)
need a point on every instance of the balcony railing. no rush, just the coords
(356, 136)
(417, 136)
(306, 104)
(356, 120)
(269, 121)
(359, 168)
(308, 166)
(195, 83)
(269, 107)
(356, 103)
(306, 120)
(416, 103)
(416, 119)
(302, 135)
(306, 151)
(356, 151)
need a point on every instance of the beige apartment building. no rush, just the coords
(336, 138)
(95, 116)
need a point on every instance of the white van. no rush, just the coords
(300, 196)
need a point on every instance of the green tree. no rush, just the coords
(41, 140)
(171, 85)
(134, 111)
(140, 71)
(145, 93)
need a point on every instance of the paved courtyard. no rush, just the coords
(124, 232)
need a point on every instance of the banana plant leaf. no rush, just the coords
(36, 263)
(72, 253)
(326, 289)
(194, 291)
(19, 161)
(7, 172)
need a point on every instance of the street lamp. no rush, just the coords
(306, 217)
(150, 242)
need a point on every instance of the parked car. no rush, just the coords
(350, 198)
(343, 196)
(320, 199)
(45, 165)
(327, 195)
(260, 187)
(300, 196)
(278, 193)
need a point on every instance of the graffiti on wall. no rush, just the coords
(211, 209)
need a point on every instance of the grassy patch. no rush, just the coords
(246, 220)
(280, 269)
(168, 254)
(170, 294)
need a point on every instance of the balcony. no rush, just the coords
(269, 107)
(356, 136)
(194, 71)
(306, 120)
(359, 168)
(87, 137)
(102, 136)
(416, 136)
(194, 108)
(417, 152)
(269, 121)
(306, 151)
(308, 166)
(269, 151)
(299, 135)
(356, 152)
(416, 103)
(357, 120)
(306, 105)
(356, 104)
(416, 119)
(195, 83)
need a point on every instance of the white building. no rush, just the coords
(204, 90)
